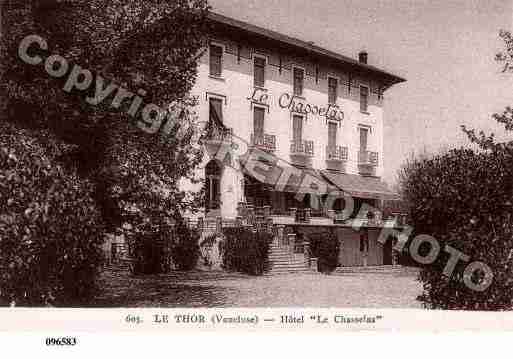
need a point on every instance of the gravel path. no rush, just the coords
(220, 289)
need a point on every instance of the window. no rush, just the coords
(364, 134)
(332, 135)
(213, 173)
(298, 81)
(332, 90)
(259, 71)
(216, 111)
(364, 98)
(258, 121)
(297, 128)
(216, 56)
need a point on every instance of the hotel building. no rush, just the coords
(304, 111)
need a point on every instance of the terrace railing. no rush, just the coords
(336, 153)
(302, 148)
(368, 158)
(264, 142)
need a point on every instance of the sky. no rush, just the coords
(444, 48)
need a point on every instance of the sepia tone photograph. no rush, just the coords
(256, 154)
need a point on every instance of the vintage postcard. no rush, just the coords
(255, 165)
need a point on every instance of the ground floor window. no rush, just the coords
(213, 172)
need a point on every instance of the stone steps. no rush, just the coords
(283, 260)
(383, 269)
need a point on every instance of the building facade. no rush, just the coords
(310, 109)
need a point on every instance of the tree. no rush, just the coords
(488, 142)
(463, 199)
(131, 48)
(51, 231)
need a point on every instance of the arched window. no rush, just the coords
(213, 172)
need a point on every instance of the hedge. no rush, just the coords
(463, 199)
(325, 247)
(246, 251)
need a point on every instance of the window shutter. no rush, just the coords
(298, 81)
(363, 139)
(216, 54)
(216, 111)
(297, 127)
(364, 98)
(259, 71)
(332, 135)
(258, 121)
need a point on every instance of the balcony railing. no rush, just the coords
(264, 142)
(304, 148)
(336, 153)
(368, 158)
(218, 134)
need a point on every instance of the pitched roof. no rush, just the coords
(308, 48)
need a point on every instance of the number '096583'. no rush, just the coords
(64, 341)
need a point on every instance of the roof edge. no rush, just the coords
(305, 46)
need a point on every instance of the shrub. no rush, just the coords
(50, 230)
(246, 251)
(157, 243)
(185, 250)
(150, 254)
(325, 247)
(463, 199)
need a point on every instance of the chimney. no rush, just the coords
(362, 57)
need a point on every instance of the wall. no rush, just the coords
(350, 255)
(236, 86)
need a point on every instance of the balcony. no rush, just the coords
(301, 152)
(264, 142)
(216, 137)
(367, 162)
(302, 148)
(336, 157)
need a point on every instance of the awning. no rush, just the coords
(286, 178)
(360, 186)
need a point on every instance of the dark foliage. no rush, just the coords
(50, 228)
(149, 45)
(150, 245)
(185, 250)
(463, 199)
(325, 247)
(246, 251)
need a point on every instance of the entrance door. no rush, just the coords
(387, 252)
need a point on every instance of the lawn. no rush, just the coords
(221, 289)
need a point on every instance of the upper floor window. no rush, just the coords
(332, 135)
(364, 135)
(332, 90)
(299, 76)
(258, 121)
(364, 98)
(259, 71)
(297, 128)
(216, 57)
(216, 111)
